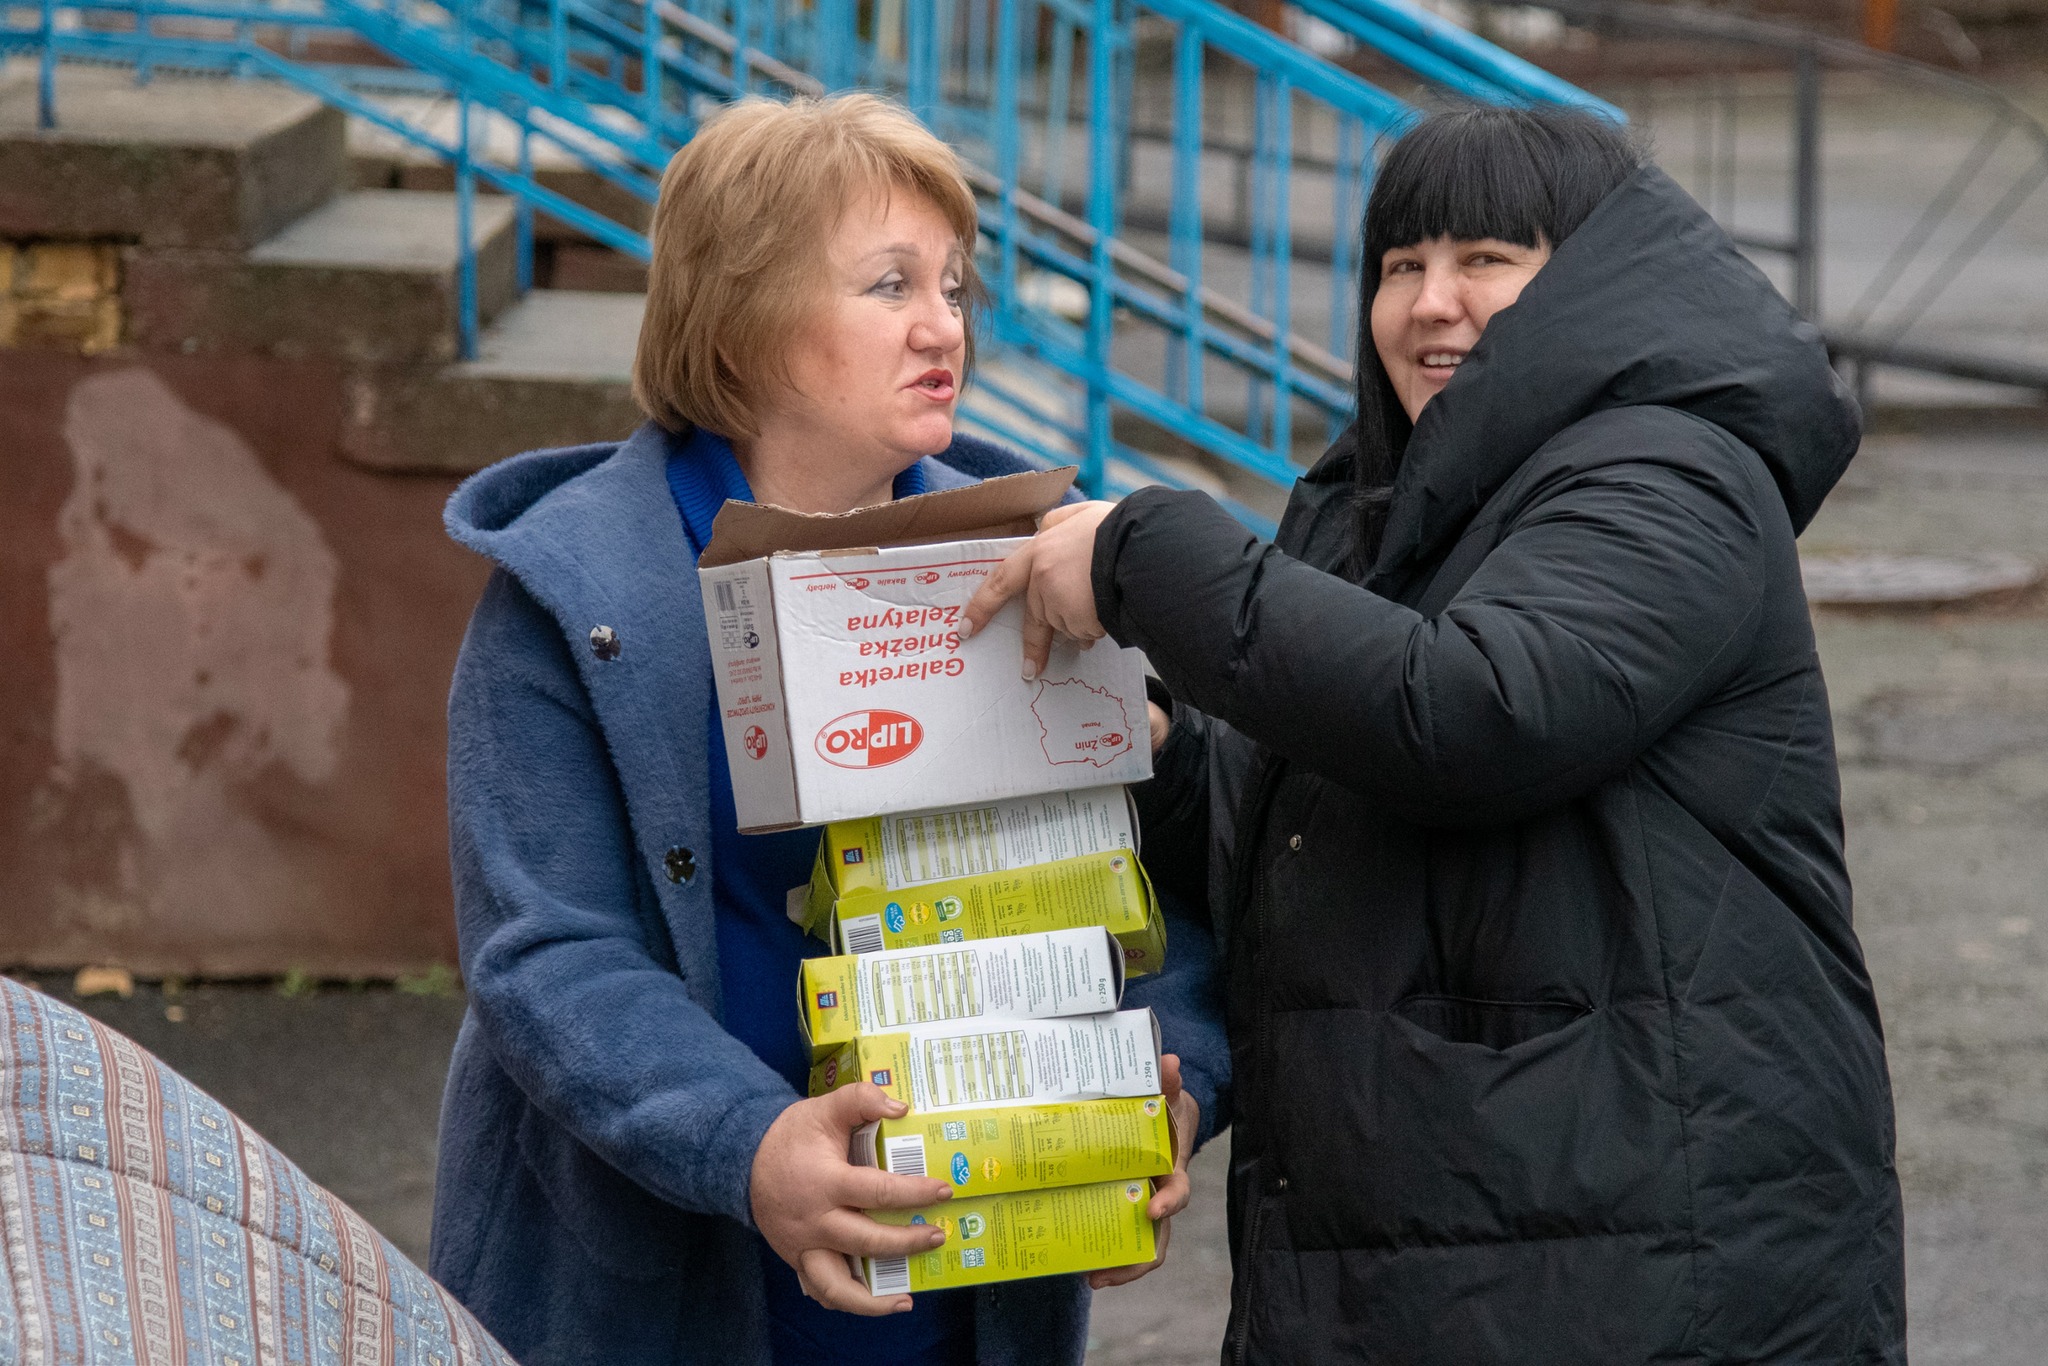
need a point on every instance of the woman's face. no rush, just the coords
(1434, 300)
(875, 373)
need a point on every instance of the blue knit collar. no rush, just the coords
(703, 473)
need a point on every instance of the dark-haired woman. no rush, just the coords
(1511, 767)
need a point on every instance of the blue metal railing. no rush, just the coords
(1148, 352)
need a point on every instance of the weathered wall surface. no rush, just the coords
(226, 654)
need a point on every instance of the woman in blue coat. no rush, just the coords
(628, 1172)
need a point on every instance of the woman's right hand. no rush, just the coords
(808, 1199)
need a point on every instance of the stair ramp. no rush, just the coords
(1131, 330)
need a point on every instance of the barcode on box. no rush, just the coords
(862, 934)
(891, 1276)
(905, 1154)
(726, 601)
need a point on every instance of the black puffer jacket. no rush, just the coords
(1553, 1041)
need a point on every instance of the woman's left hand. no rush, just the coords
(1054, 572)
(1170, 1197)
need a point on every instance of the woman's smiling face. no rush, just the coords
(1435, 298)
(875, 374)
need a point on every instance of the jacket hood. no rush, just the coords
(1648, 303)
(549, 501)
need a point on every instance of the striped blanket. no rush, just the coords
(142, 1222)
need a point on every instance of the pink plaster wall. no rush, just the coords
(224, 657)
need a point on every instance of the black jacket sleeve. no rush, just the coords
(1614, 602)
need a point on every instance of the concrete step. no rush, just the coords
(184, 161)
(555, 370)
(368, 278)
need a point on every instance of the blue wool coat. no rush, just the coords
(599, 1127)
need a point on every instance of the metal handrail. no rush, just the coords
(617, 84)
(1856, 337)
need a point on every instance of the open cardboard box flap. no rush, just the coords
(1006, 506)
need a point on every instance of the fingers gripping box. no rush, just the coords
(1025, 1233)
(844, 688)
(1024, 1062)
(1035, 976)
(1025, 1147)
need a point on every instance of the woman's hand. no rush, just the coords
(1055, 573)
(808, 1198)
(1171, 1196)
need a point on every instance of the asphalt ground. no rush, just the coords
(1942, 720)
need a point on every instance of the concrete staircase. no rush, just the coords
(219, 217)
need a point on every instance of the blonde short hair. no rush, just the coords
(740, 238)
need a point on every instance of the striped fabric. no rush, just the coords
(143, 1224)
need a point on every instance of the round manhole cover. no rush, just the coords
(1912, 580)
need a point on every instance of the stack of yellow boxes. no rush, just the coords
(981, 961)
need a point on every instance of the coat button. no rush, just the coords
(604, 642)
(1294, 841)
(680, 863)
(1281, 1185)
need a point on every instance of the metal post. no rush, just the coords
(522, 206)
(1009, 14)
(742, 27)
(46, 70)
(1184, 224)
(465, 208)
(836, 37)
(1103, 165)
(558, 47)
(1806, 187)
(920, 53)
(650, 67)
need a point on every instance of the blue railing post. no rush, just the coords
(650, 64)
(920, 54)
(835, 37)
(46, 69)
(465, 235)
(1009, 16)
(522, 205)
(1281, 96)
(742, 27)
(1185, 223)
(558, 47)
(1103, 165)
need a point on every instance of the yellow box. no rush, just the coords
(1021, 1062)
(1020, 977)
(1108, 889)
(1021, 1234)
(896, 853)
(1025, 1147)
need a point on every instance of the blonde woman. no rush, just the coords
(628, 1172)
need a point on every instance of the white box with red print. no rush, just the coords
(845, 690)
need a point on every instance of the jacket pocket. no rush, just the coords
(1498, 1025)
(620, 1225)
(1476, 1122)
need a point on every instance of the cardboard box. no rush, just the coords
(892, 853)
(1018, 1235)
(1109, 890)
(1025, 1147)
(844, 688)
(1025, 977)
(1027, 1062)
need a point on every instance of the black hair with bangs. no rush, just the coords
(1529, 176)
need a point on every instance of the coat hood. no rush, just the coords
(1648, 303)
(543, 501)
